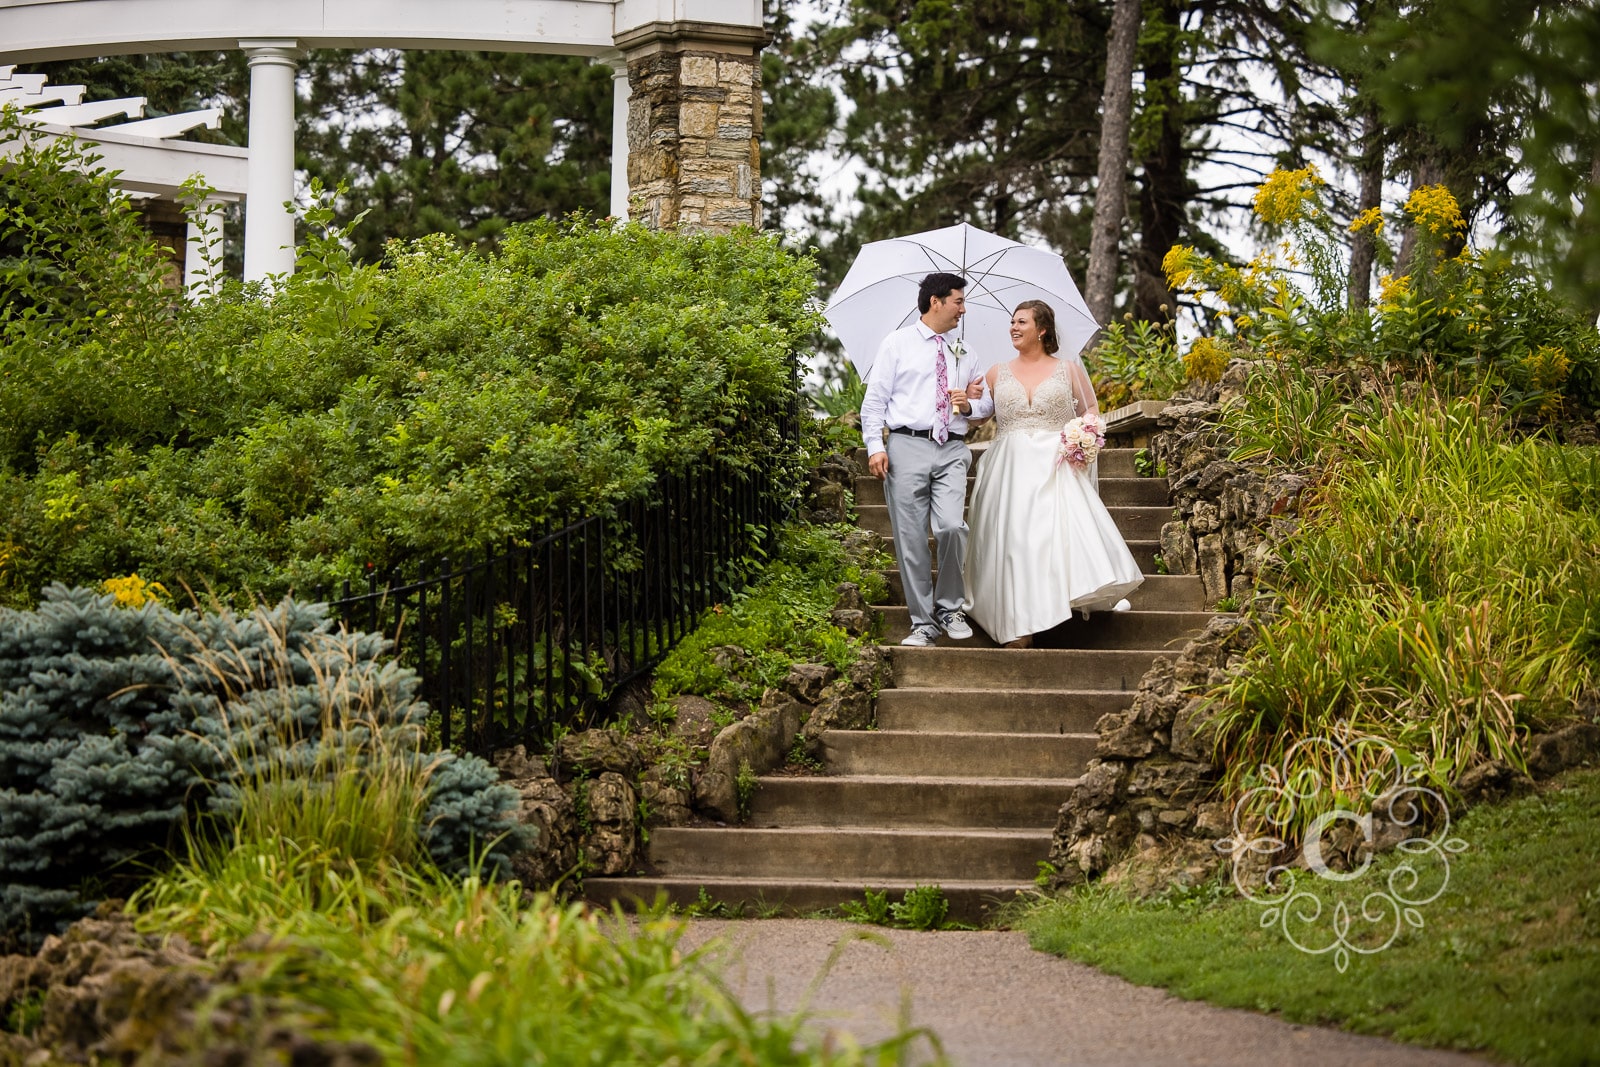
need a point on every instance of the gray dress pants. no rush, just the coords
(926, 490)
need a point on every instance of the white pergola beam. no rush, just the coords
(23, 83)
(92, 112)
(171, 125)
(64, 94)
(39, 30)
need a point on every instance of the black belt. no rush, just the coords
(926, 435)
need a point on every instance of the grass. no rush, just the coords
(1440, 594)
(429, 970)
(1507, 959)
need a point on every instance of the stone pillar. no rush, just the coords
(202, 260)
(268, 225)
(694, 129)
(620, 93)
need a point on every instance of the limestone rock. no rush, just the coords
(847, 597)
(517, 763)
(1177, 548)
(762, 739)
(1178, 780)
(853, 622)
(806, 681)
(1190, 740)
(843, 707)
(547, 808)
(1213, 568)
(1491, 780)
(667, 801)
(1571, 746)
(613, 836)
(872, 669)
(695, 720)
(594, 751)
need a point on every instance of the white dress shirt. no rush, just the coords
(902, 386)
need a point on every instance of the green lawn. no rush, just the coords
(1507, 959)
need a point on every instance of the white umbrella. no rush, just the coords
(879, 294)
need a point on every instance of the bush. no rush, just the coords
(258, 442)
(117, 725)
(782, 620)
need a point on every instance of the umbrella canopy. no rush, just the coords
(879, 295)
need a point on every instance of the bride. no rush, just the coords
(1042, 544)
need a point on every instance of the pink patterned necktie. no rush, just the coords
(941, 406)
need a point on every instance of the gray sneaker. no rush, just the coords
(921, 636)
(955, 624)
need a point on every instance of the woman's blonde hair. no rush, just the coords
(1044, 317)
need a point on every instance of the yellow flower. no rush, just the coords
(1206, 360)
(1372, 217)
(1434, 208)
(1283, 197)
(1391, 290)
(1548, 367)
(1178, 265)
(133, 591)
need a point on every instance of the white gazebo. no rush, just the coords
(686, 119)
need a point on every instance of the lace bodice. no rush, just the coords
(1053, 403)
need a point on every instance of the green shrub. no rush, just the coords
(264, 441)
(1134, 361)
(118, 725)
(780, 621)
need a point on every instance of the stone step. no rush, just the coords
(908, 800)
(1144, 551)
(1114, 462)
(957, 755)
(1151, 492)
(862, 854)
(998, 711)
(1160, 592)
(1134, 523)
(970, 902)
(1005, 668)
(1166, 630)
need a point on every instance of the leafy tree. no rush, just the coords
(991, 114)
(984, 113)
(1474, 91)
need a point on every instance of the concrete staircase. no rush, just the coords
(975, 749)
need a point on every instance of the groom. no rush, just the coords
(912, 389)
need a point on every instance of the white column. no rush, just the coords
(268, 226)
(202, 258)
(620, 94)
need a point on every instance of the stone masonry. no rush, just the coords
(694, 129)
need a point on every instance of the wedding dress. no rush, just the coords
(1041, 543)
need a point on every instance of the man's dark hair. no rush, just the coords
(937, 285)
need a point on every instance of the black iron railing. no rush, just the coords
(517, 642)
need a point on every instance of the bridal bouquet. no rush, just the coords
(1081, 441)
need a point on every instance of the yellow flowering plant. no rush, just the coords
(1470, 316)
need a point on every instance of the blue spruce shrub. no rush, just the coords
(117, 724)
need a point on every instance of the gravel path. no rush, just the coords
(994, 1001)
